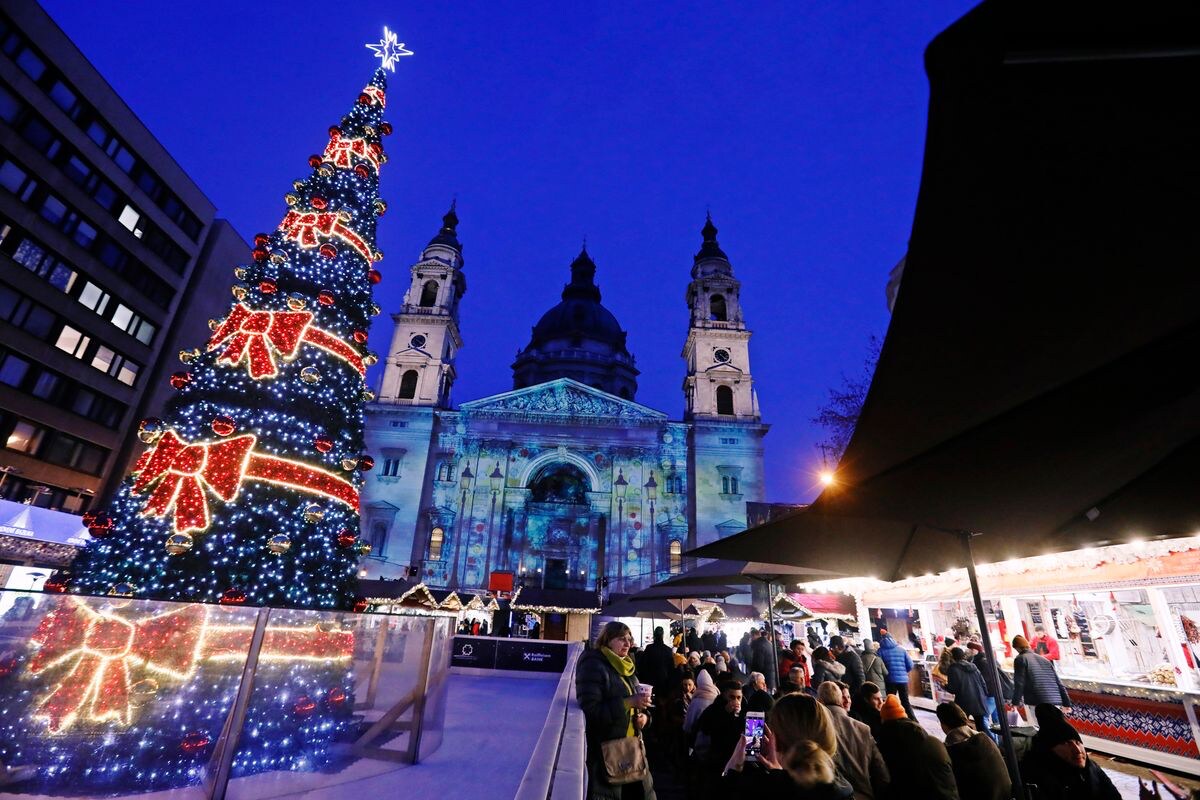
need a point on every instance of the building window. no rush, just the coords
(724, 400)
(733, 485)
(93, 297)
(13, 370)
(724, 484)
(716, 308)
(72, 341)
(24, 437)
(408, 385)
(378, 539)
(676, 553)
(429, 294)
(443, 471)
(436, 537)
(391, 468)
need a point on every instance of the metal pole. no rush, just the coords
(222, 763)
(774, 643)
(462, 512)
(1010, 752)
(621, 542)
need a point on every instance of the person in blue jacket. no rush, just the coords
(898, 664)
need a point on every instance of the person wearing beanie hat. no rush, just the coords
(892, 709)
(918, 764)
(979, 769)
(1058, 763)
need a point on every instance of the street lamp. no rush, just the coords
(620, 485)
(464, 482)
(496, 479)
(651, 487)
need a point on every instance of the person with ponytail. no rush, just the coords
(798, 756)
(606, 685)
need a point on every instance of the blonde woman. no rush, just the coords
(606, 686)
(797, 760)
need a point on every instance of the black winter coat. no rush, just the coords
(979, 769)
(855, 675)
(918, 763)
(655, 666)
(1057, 780)
(601, 693)
(968, 688)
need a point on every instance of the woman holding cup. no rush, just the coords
(615, 710)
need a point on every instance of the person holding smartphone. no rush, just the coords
(796, 757)
(721, 724)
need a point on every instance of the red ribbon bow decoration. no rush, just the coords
(377, 93)
(341, 149)
(185, 469)
(257, 335)
(99, 650)
(307, 228)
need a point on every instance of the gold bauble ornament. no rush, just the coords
(297, 185)
(310, 375)
(369, 130)
(122, 590)
(213, 324)
(349, 463)
(370, 358)
(313, 513)
(278, 257)
(279, 544)
(291, 199)
(150, 429)
(375, 310)
(364, 549)
(344, 215)
(179, 543)
(143, 692)
(239, 290)
(188, 356)
(368, 395)
(297, 301)
(240, 273)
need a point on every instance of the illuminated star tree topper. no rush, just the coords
(389, 49)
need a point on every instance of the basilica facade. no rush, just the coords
(566, 479)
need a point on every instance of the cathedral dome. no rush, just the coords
(580, 339)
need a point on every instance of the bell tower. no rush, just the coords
(426, 339)
(718, 385)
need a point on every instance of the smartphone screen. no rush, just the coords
(755, 725)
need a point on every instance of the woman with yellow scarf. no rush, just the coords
(606, 685)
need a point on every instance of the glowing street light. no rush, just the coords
(827, 477)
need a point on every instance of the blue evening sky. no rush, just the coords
(801, 125)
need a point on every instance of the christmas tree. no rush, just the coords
(247, 494)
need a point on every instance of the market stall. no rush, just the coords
(1120, 623)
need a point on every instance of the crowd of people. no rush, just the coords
(839, 723)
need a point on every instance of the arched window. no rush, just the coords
(378, 537)
(724, 400)
(408, 385)
(676, 556)
(560, 483)
(429, 294)
(436, 537)
(716, 308)
(443, 471)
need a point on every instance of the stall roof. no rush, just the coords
(555, 601)
(830, 605)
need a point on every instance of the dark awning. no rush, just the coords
(1039, 382)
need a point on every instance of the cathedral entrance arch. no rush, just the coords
(559, 547)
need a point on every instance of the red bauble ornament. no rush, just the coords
(325, 298)
(194, 742)
(365, 462)
(259, 254)
(374, 276)
(346, 538)
(180, 379)
(89, 517)
(364, 99)
(385, 128)
(376, 150)
(304, 706)
(55, 586)
(360, 336)
(261, 239)
(101, 525)
(337, 695)
(328, 250)
(323, 444)
(334, 130)
(267, 286)
(319, 202)
(314, 161)
(360, 605)
(223, 426)
(233, 597)
(361, 171)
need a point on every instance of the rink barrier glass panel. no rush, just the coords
(113, 696)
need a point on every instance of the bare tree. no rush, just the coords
(840, 415)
